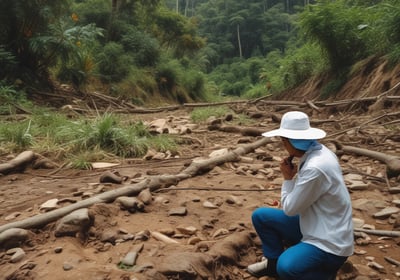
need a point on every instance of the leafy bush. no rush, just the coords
(144, 48)
(168, 76)
(193, 81)
(256, 91)
(113, 63)
(233, 79)
(334, 25)
(300, 64)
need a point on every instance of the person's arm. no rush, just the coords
(296, 196)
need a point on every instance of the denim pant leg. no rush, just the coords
(275, 228)
(304, 261)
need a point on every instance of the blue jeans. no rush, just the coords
(300, 261)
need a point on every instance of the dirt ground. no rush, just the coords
(207, 217)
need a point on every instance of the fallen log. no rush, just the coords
(392, 162)
(153, 183)
(18, 163)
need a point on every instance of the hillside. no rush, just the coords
(368, 78)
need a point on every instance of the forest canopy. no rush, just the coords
(187, 50)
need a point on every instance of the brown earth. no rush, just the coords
(214, 241)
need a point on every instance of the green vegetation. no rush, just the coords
(199, 115)
(81, 140)
(188, 51)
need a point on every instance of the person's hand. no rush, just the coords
(288, 169)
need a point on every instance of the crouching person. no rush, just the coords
(312, 235)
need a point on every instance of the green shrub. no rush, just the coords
(334, 25)
(168, 76)
(113, 63)
(144, 48)
(193, 81)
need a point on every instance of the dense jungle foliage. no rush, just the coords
(189, 50)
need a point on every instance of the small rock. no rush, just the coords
(75, 222)
(358, 223)
(58, 250)
(67, 266)
(386, 213)
(109, 235)
(12, 216)
(145, 196)
(18, 255)
(208, 204)
(130, 203)
(220, 232)
(396, 202)
(232, 199)
(130, 259)
(179, 211)
(187, 230)
(49, 205)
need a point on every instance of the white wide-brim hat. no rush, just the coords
(296, 125)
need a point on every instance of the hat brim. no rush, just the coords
(309, 134)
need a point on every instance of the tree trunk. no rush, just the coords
(186, 7)
(114, 6)
(239, 42)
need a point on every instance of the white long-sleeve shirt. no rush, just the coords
(320, 197)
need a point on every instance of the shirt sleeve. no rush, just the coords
(298, 195)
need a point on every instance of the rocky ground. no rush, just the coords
(196, 227)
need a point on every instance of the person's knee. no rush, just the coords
(262, 215)
(257, 215)
(289, 268)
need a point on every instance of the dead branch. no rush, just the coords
(392, 261)
(313, 106)
(390, 233)
(153, 183)
(357, 128)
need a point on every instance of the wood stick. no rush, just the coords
(379, 232)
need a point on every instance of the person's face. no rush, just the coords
(286, 144)
(289, 148)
